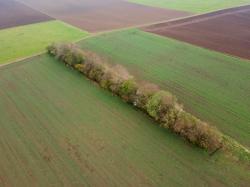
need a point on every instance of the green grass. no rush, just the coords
(59, 129)
(27, 40)
(196, 6)
(213, 86)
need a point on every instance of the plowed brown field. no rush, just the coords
(227, 31)
(13, 13)
(100, 15)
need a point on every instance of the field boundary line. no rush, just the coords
(140, 26)
(25, 4)
(201, 13)
(146, 24)
(176, 19)
(53, 18)
(94, 34)
(21, 59)
(33, 55)
(201, 17)
(29, 24)
(213, 50)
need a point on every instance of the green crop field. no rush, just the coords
(196, 6)
(59, 129)
(27, 40)
(213, 86)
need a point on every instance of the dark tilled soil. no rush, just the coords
(13, 14)
(227, 31)
(101, 15)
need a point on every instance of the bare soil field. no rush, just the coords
(227, 31)
(13, 14)
(101, 15)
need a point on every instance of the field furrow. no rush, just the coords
(58, 128)
(211, 85)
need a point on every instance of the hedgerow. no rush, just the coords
(128, 90)
(159, 104)
(68, 53)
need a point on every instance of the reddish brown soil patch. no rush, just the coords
(227, 31)
(100, 15)
(13, 14)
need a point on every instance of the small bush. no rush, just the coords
(79, 67)
(153, 105)
(128, 90)
(143, 93)
(52, 49)
(117, 76)
(105, 80)
(162, 105)
(68, 53)
(115, 83)
(96, 72)
(197, 132)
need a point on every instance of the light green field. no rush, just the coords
(59, 129)
(211, 85)
(27, 40)
(196, 6)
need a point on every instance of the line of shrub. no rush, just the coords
(159, 104)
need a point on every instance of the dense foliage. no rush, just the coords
(160, 105)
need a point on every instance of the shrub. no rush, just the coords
(96, 71)
(105, 81)
(52, 49)
(197, 132)
(79, 67)
(163, 105)
(117, 76)
(77, 56)
(115, 83)
(68, 53)
(143, 93)
(153, 105)
(128, 90)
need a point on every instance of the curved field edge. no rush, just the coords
(195, 6)
(59, 128)
(23, 41)
(214, 87)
